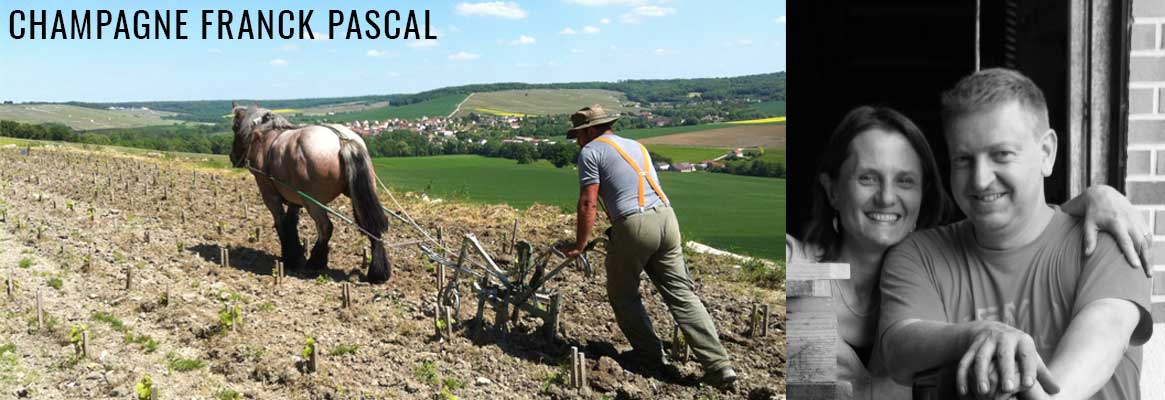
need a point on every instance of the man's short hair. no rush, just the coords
(994, 87)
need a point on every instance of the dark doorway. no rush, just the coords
(903, 54)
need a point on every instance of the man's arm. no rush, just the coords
(587, 198)
(1104, 208)
(913, 346)
(1092, 347)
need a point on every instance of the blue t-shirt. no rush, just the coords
(600, 163)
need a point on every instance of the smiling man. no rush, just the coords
(1006, 302)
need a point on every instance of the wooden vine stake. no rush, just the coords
(312, 358)
(514, 234)
(439, 311)
(225, 257)
(754, 321)
(277, 272)
(85, 344)
(764, 327)
(582, 372)
(128, 278)
(448, 314)
(578, 369)
(551, 327)
(39, 312)
(346, 295)
(8, 288)
(574, 367)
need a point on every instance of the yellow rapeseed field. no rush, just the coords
(760, 121)
(499, 112)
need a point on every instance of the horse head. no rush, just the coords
(249, 124)
(245, 119)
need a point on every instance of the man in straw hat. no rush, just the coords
(644, 237)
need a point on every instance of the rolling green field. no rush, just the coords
(775, 108)
(82, 118)
(438, 107)
(737, 213)
(644, 133)
(684, 153)
(542, 101)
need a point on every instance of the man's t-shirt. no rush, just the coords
(942, 274)
(600, 163)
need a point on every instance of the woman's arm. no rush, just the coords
(1104, 208)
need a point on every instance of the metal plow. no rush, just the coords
(522, 288)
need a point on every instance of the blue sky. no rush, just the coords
(479, 42)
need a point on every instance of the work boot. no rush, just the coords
(721, 378)
(656, 364)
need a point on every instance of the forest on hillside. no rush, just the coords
(762, 87)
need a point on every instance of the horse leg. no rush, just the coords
(380, 269)
(289, 238)
(319, 251)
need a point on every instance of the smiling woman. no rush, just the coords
(91, 24)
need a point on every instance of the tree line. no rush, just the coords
(762, 87)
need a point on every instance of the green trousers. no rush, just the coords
(650, 241)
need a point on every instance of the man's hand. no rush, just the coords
(571, 251)
(1011, 352)
(1106, 209)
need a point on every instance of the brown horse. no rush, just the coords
(322, 161)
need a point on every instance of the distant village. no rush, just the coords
(441, 128)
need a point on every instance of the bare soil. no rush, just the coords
(769, 136)
(78, 220)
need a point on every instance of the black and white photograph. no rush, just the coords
(976, 196)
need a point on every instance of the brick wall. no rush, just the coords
(1146, 157)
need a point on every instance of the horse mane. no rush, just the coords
(262, 119)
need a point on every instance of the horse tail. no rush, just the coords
(361, 189)
(369, 215)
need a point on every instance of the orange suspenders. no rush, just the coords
(644, 173)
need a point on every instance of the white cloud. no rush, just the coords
(213, 50)
(522, 40)
(319, 36)
(605, 21)
(780, 19)
(464, 56)
(422, 44)
(278, 62)
(590, 30)
(289, 47)
(382, 53)
(636, 15)
(576, 51)
(392, 74)
(508, 10)
(665, 52)
(601, 3)
(653, 11)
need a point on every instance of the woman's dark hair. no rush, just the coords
(935, 204)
